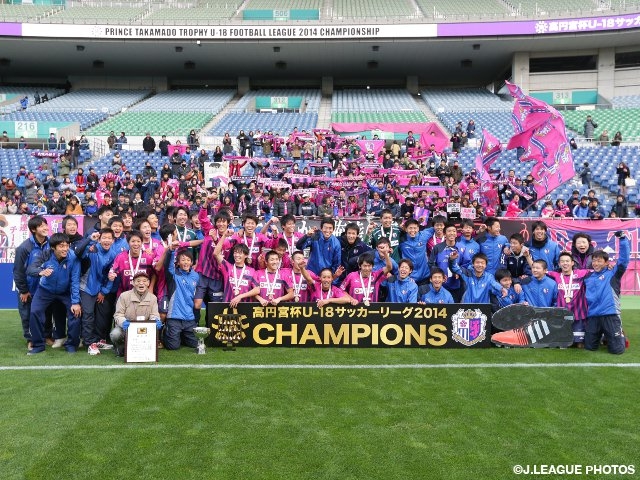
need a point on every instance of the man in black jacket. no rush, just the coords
(148, 144)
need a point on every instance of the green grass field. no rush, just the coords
(409, 414)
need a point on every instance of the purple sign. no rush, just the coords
(540, 27)
(11, 29)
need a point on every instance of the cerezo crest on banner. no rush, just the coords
(468, 327)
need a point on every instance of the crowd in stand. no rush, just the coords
(314, 173)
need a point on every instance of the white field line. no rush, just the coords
(409, 366)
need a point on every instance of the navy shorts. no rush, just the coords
(209, 288)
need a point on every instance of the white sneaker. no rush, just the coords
(93, 349)
(103, 345)
(59, 342)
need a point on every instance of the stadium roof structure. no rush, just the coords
(437, 54)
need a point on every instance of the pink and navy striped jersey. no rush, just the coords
(304, 290)
(126, 271)
(279, 281)
(255, 245)
(318, 294)
(234, 278)
(578, 303)
(353, 286)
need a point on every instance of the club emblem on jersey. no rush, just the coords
(468, 326)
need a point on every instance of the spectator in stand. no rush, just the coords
(547, 209)
(455, 143)
(561, 209)
(84, 144)
(74, 207)
(375, 205)
(589, 128)
(80, 182)
(617, 139)
(39, 208)
(111, 140)
(585, 174)
(57, 205)
(227, 144)
(244, 142)
(471, 129)
(620, 208)
(513, 209)
(623, 173)
(596, 212)
(306, 207)
(164, 146)
(604, 138)
(148, 171)
(393, 206)
(284, 205)
(122, 139)
(410, 141)
(52, 142)
(148, 144)
(407, 209)
(582, 209)
(192, 140)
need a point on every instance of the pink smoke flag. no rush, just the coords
(540, 131)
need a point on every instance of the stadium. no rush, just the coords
(354, 69)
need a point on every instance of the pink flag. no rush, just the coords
(555, 170)
(540, 131)
(528, 112)
(490, 149)
(374, 145)
(483, 175)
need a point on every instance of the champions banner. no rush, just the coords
(380, 325)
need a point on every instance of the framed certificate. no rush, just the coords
(141, 343)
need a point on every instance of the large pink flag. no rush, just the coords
(528, 112)
(554, 165)
(540, 131)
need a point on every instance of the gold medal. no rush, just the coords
(236, 291)
(568, 298)
(366, 302)
(296, 298)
